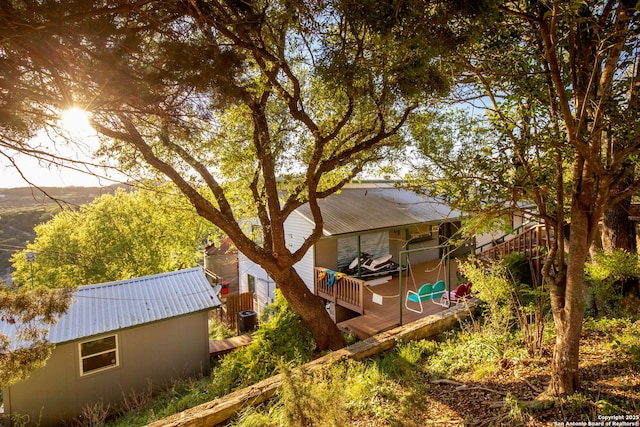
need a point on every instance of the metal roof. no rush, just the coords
(107, 307)
(363, 207)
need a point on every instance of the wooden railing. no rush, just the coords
(529, 242)
(345, 291)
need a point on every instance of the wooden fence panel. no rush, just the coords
(234, 305)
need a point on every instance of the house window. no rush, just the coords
(251, 282)
(98, 355)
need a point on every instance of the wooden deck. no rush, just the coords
(220, 347)
(383, 317)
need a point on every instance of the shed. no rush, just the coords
(118, 339)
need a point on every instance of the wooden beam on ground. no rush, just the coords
(220, 410)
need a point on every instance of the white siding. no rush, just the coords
(298, 229)
(264, 285)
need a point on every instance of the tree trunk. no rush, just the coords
(618, 232)
(567, 303)
(310, 308)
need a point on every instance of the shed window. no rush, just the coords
(97, 355)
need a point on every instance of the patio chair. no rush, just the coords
(427, 292)
(461, 293)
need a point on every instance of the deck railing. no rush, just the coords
(528, 242)
(345, 291)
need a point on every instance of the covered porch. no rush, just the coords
(365, 308)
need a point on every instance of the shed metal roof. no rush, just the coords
(107, 307)
(360, 208)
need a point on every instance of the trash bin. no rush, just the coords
(247, 320)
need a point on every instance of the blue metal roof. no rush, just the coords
(107, 307)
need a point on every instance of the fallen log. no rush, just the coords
(219, 410)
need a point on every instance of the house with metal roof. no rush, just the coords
(118, 339)
(375, 218)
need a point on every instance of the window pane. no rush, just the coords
(97, 362)
(98, 346)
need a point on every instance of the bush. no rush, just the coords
(510, 298)
(280, 338)
(326, 397)
(605, 277)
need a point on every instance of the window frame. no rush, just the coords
(251, 285)
(82, 358)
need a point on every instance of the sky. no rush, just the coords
(42, 174)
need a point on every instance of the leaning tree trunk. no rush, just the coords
(310, 308)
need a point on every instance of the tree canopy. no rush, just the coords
(561, 83)
(251, 109)
(115, 237)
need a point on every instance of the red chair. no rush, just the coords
(460, 293)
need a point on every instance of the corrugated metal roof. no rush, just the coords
(107, 307)
(359, 208)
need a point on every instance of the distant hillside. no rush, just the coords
(21, 209)
(11, 198)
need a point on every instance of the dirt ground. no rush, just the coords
(610, 394)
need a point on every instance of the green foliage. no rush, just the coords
(605, 275)
(612, 266)
(392, 388)
(219, 330)
(403, 360)
(510, 299)
(326, 397)
(141, 409)
(493, 287)
(622, 334)
(115, 237)
(475, 352)
(627, 342)
(605, 325)
(281, 338)
(518, 269)
(32, 312)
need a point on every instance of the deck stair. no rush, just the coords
(530, 240)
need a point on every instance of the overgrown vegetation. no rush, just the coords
(511, 301)
(280, 340)
(482, 378)
(612, 284)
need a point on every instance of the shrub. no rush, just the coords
(280, 338)
(325, 397)
(605, 277)
(219, 331)
(510, 298)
